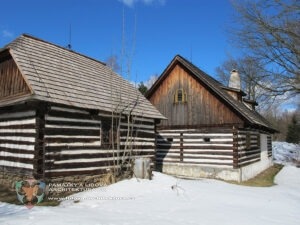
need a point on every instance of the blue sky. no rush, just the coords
(157, 30)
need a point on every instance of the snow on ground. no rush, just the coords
(166, 200)
(286, 153)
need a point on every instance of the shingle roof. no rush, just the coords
(252, 117)
(59, 75)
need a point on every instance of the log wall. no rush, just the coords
(74, 143)
(18, 136)
(141, 137)
(226, 148)
(195, 147)
(51, 141)
(248, 147)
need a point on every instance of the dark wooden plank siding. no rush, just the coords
(195, 147)
(17, 140)
(202, 107)
(11, 81)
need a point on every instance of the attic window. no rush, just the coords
(180, 96)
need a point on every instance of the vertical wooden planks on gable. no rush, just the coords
(11, 80)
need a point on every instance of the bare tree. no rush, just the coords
(280, 120)
(122, 130)
(269, 32)
(113, 62)
(250, 73)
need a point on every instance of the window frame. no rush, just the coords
(183, 96)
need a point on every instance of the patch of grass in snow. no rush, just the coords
(264, 179)
(9, 196)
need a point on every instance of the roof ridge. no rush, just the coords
(26, 35)
(197, 68)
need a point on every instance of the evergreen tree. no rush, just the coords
(293, 134)
(142, 88)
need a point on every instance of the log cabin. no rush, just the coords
(211, 130)
(64, 114)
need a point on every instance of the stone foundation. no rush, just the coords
(8, 179)
(199, 171)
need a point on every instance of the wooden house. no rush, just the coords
(211, 130)
(64, 114)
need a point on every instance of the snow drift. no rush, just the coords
(166, 200)
(286, 153)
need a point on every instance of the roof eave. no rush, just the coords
(16, 100)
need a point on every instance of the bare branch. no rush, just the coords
(269, 32)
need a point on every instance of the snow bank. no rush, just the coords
(286, 153)
(166, 200)
(289, 176)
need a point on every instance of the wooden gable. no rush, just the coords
(12, 83)
(201, 107)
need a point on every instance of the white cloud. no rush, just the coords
(151, 81)
(7, 34)
(128, 2)
(131, 3)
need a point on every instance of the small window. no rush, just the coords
(180, 96)
(206, 139)
(170, 139)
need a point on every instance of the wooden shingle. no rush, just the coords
(60, 75)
